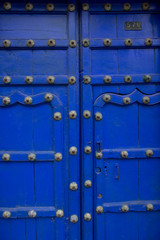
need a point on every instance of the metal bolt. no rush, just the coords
(85, 6)
(87, 183)
(87, 216)
(149, 207)
(6, 214)
(125, 208)
(57, 116)
(59, 213)
(50, 79)
(126, 100)
(72, 114)
(86, 114)
(124, 154)
(74, 219)
(107, 42)
(149, 153)
(86, 79)
(51, 43)
(107, 7)
(106, 98)
(72, 80)
(48, 97)
(147, 78)
(145, 6)
(32, 214)
(107, 79)
(73, 186)
(31, 157)
(127, 6)
(85, 42)
(128, 79)
(87, 150)
(99, 155)
(72, 43)
(30, 43)
(6, 100)
(73, 150)
(128, 42)
(50, 7)
(146, 100)
(29, 79)
(98, 116)
(99, 209)
(29, 6)
(58, 157)
(28, 100)
(148, 42)
(6, 43)
(7, 79)
(7, 6)
(71, 7)
(6, 157)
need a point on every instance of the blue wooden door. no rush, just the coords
(39, 126)
(120, 121)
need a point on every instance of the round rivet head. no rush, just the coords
(50, 7)
(28, 100)
(87, 216)
(86, 114)
(32, 214)
(99, 155)
(72, 80)
(59, 213)
(125, 208)
(50, 79)
(72, 114)
(99, 209)
(85, 6)
(107, 42)
(87, 150)
(6, 157)
(7, 6)
(147, 78)
(6, 100)
(74, 219)
(57, 116)
(30, 43)
(48, 97)
(148, 42)
(85, 42)
(128, 79)
(126, 6)
(58, 157)
(51, 43)
(73, 186)
(7, 79)
(149, 207)
(146, 100)
(31, 157)
(6, 43)
(107, 7)
(126, 100)
(86, 79)
(88, 184)
(72, 43)
(73, 150)
(128, 42)
(29, 6)
(29, 79)
(107, 79)
(149, 153)
(98, 116)
(124, 154)
(145, 6)
(71, 7)
(6, 214)
(106, 98)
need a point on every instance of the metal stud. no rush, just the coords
(58, 157)
(74, 219)
(72, 43)
(147, 78)
(85, 42)
(85, 6)
(126, 100)
(29, 79)
(146, 100)
(106, 98)
(149, 153)
(88, 184)
(28, 100)
(86, 79)
(6, 100)
(73, 186)
(125, 208)
(148, 42)
(71, 7)
(32, 214)
(29, 6)
(149, 207)
(30, 43)
(99, 209)
(6, 214)
(7, 6)
(128, 42)
(73, 150)
(126, 6)
(128, 79)
(107, 42)
(57, 116)
(107, 7)
(99, 155)
(31, 157)
(72, 114)
(124, 154)
(6, 43)
(51, 43)
(59, 213)
(87, 150)
(145, 6)
(50, 7)
(7, 79)
(107, 79)
(50, 79)
(98, 116)
(48, 97)
(86, 114)
(87, 216)
(72, 80)
(6, 157)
